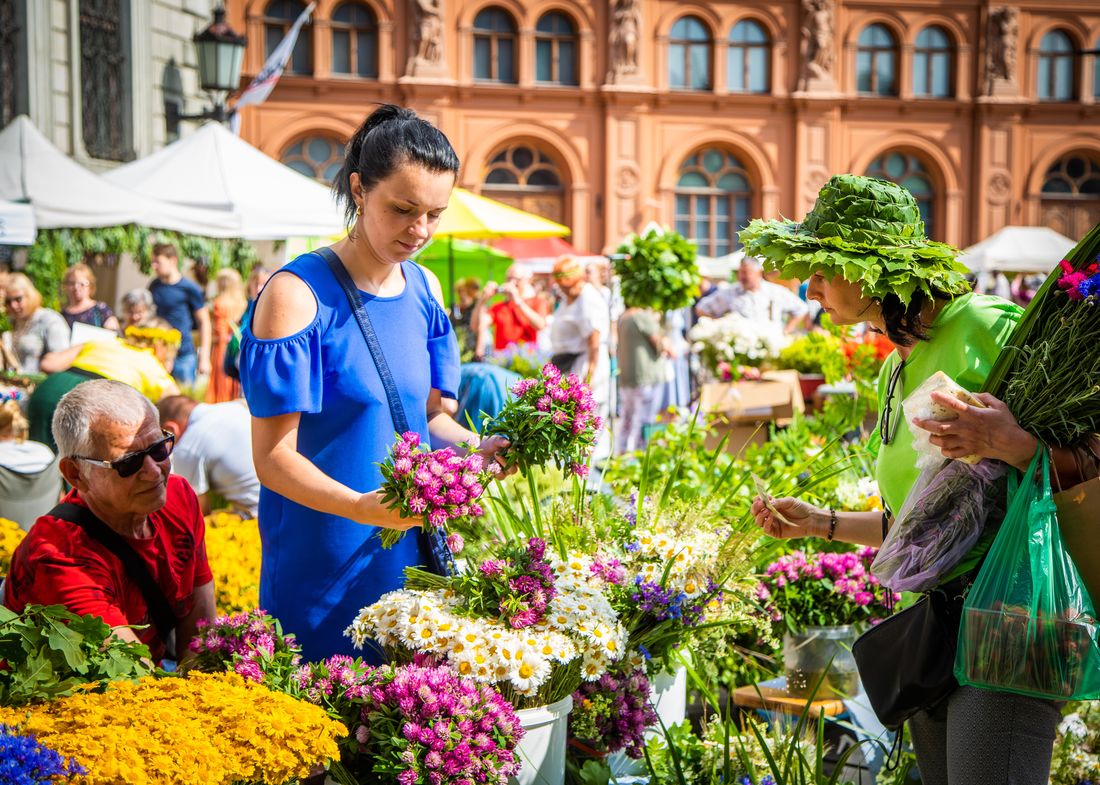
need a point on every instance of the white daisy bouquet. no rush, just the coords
(511, 622)
(670, 575)
(730, 342)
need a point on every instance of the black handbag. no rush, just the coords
(907, 661)
(434, 544)
(564, 361)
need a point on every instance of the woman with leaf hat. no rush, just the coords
(864, 251)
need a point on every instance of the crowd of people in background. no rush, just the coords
(171, 334)
(169, 342)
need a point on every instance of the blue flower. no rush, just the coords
(645, 652)
(1090, 286)
(23, 761)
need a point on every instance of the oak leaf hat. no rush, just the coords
(867, 231)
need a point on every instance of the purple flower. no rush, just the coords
(455, 543)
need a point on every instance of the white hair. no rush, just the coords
(90, 403)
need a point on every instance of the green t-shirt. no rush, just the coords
(964, 341)
(640, 362)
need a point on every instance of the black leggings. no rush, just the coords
(981, 737)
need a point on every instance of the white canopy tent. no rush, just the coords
(63, 194)
(16, 223)
(719, 268)
(214, 169)
(1018, 249)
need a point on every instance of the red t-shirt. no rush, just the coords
(58, 564)
(511, 326)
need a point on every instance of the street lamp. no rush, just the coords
(220, 52)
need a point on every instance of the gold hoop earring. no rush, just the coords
(358, 210)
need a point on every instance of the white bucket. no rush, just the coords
(541, 753)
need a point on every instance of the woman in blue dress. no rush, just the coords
(321, 419)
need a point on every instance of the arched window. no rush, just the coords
(876, 61)
(524, 176)
(1070, 199)
(354, 40)
(689, 55)
(318, 157)
(105, 62)
(279, 16)
(713, 201)
(1055, 81)
(933, 74)
(749, 61)
(908, 171)
(556, 49)
(495, 46)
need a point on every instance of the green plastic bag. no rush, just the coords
(1028, 625)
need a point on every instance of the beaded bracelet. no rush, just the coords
(832, 525)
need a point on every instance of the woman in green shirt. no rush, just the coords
(866, 257)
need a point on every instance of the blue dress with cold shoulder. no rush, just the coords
(318, 570)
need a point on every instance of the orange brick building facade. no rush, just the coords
(699, 115)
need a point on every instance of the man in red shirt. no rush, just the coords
(519, 317)
(115, 455)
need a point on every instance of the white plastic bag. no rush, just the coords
(919, 404)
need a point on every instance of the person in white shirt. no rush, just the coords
(754, 298)
(579, 335)
(30, 483)
(213, 450)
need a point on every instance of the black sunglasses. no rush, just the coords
(131, 463)
(886, 429)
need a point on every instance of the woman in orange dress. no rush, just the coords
(228, 306)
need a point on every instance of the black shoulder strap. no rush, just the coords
(164, 619)
(438, 552)
(397, 410)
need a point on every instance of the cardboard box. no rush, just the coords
(745, 409)
(777, 396)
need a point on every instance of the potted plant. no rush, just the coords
(657, 270)
(823, 600)
(818, 357)
(729, 344)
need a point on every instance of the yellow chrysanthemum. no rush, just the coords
(209, 728)
(233, 548)
(10, 536)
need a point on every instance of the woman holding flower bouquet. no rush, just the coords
(326, 403)
(866, 257)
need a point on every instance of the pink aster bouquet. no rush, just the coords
(439, 487)
(414, 724)
(250, 644)
(613, 713)
(823, 589)
(550, 418)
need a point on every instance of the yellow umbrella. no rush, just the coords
(472, 217)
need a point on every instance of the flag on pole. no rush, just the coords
(264, 82)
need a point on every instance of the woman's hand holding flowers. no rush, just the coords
(990, 432)
(807, 520)
(492, 449)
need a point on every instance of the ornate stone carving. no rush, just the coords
(999, 188)
(426, 38)
(627, 179)
(1000, 55)
(626, 33)
(817, 46)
